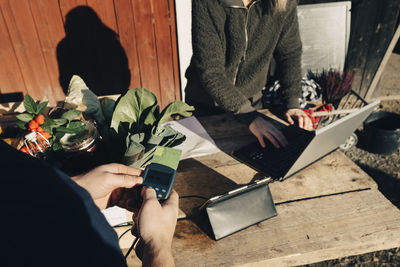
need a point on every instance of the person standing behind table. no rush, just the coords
(233, 44)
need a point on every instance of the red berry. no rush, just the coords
(24, 149)
(40, 119)
(45, 134)
(33, 125)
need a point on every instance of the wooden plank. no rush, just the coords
(127, 36)
(372, 26)
(143, 19)
(67, 5)
(164, 51)
(11, 79)
(21, 26)
(106, 12)
(360, 37)
(383, 63)
(387, 97)
(385, 25)
(49, 24)
(303, 232)
(388, 88)
(174, 39)
(334, 174)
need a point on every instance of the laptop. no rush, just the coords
(304, 148)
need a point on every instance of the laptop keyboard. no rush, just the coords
(276, 162)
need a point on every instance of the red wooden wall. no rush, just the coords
(31, 31)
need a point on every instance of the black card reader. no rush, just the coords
(161, 178)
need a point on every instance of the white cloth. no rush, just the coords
(198, 142)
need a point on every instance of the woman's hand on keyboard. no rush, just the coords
(262, 128)
(302, 119)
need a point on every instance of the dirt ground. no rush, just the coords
(384, 169)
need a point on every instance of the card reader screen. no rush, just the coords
(156, 177)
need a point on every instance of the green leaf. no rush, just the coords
(57, 146)
(146, 157)
(71, 114)
(58, 135)
(46, 128)
(137, 106)
(135, 149)
(72, 128)
(30, 104)
(59, 122)
(177, 107)
(93, 106)
(21, 125)
(25, 117)
(107, 107)
(171, 137)
(151, 116)
(76, 125)
(79, 95)
(49, 124)
(41, 107)
(63, 129)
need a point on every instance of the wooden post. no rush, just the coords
(383, 63)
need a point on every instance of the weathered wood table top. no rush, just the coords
(329, 210)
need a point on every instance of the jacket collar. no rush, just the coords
(232, 3)
(265, 5)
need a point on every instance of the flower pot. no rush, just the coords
(81, 152)
(382, 132)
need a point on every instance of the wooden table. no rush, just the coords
(329, 210)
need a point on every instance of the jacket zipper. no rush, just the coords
(246, 39)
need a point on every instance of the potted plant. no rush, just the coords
(334, 84)
(132, 126)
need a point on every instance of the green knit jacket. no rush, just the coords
(232, 49)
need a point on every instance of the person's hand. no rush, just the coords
(262, 128)
(155, 225)
(302, 119)
(127, 198)
(101, 181)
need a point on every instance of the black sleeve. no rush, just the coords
(48, 220)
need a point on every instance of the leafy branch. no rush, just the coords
(52, 128)
(137, 120)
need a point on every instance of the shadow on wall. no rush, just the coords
(92, 50)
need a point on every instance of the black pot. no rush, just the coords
(382, 132)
